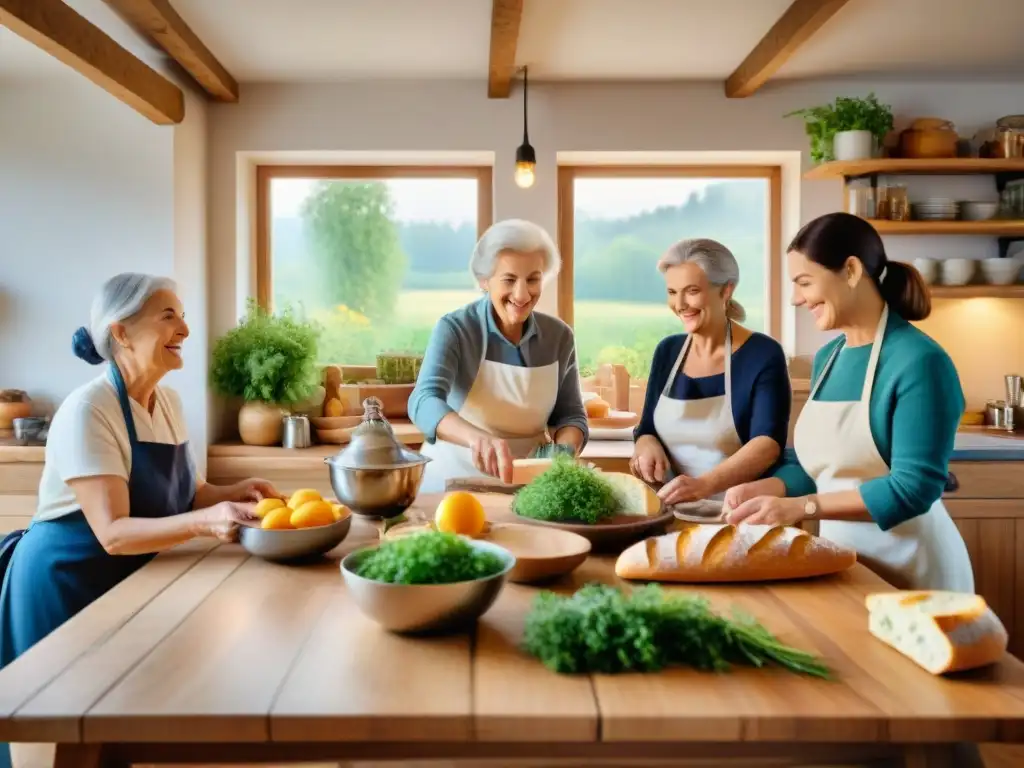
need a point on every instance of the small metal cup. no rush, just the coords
(296, 432)
(1013, 390)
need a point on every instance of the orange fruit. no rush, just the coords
(460, 512)
(312, 514)
(303, 495)
(277, 519)
(340, 511)
(265, 505)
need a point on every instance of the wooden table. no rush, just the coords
(209, 655)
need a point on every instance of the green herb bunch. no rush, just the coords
(431, 557)
(567, 492)
(270, 358)
(601, 629)
(822, 123)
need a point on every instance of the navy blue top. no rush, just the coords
(761, 393)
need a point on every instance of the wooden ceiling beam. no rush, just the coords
(506, 16)
(158, 20)
(74, 40)
(801, 20)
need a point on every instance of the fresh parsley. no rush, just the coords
(567, 492)
(431, 557)
(601, 629)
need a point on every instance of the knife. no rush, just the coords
(480, 485)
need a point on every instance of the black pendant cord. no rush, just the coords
(526, 86)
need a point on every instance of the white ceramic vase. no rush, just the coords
(853, 145)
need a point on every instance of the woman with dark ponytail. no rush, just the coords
(874, 440)
(119, 481)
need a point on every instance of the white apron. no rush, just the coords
(507, 401)
(834, 445)
(698, 434)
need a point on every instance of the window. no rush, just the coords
(376, 255)
(614, 223)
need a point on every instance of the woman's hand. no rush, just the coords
(738, 494)
(252, 490)
(222, 520)
(683, 488)
(491, 455)
(767, 510)
(649, 461)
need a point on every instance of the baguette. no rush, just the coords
(939, 631)
(702, 552)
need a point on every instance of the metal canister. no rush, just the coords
(296, 432)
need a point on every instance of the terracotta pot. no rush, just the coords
(11, 411)
(261, 423)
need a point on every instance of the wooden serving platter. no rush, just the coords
(615, 420)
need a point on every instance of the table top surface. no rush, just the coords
(209, 644)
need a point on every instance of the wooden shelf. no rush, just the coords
(990, 227)
(1015, 291)
(895, 166)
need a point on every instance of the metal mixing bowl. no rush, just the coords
(297, 544)
(426, 607)
(377, 492)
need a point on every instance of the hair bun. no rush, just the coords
(84, 348)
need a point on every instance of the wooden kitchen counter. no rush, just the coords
(209, 655)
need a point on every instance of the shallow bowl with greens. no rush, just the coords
(427, 582)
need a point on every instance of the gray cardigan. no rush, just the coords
(456, 346)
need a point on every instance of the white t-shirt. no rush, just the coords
(88, 437)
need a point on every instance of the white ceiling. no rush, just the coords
(303, 40)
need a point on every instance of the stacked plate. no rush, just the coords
(936, 209)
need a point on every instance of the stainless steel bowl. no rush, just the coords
(377, 492)
(420, 608)
(297, 544)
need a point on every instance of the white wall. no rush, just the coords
(650, 117)
(89, 188)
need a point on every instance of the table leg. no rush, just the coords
(86, 756)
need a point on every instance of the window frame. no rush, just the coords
(265, 174)
(567, 175)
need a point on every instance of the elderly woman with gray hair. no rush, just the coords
(119, 481)
(718, 395)
(498, 378)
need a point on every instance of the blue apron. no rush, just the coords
(55, 568)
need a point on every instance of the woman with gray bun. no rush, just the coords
(718, 395)
(119, 482)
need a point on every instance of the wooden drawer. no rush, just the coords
(988, 480)
(20, 477)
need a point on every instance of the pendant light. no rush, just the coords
(526, 158)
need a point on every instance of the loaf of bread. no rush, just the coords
(525, 470)
(597, 408)
(939, 631)
(635, 496)
(706, 552)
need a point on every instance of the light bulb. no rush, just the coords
(524, 175)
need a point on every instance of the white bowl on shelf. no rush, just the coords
(1001, 271)
(929, 269)
(958, 271)
(976, 210)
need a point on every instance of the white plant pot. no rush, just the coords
(853, 145)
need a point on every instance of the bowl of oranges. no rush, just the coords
(305, 525)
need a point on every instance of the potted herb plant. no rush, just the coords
(850, 129)
(269, 362)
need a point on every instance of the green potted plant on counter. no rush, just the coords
(850, 129)
(269, 362)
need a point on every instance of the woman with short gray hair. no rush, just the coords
(499, 379)
(718, 395)
(119, 482)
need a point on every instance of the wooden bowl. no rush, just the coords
(336, 422)
(614, 535)
(540, 554)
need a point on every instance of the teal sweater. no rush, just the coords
(915, 410)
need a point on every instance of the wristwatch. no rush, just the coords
(810, 506)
